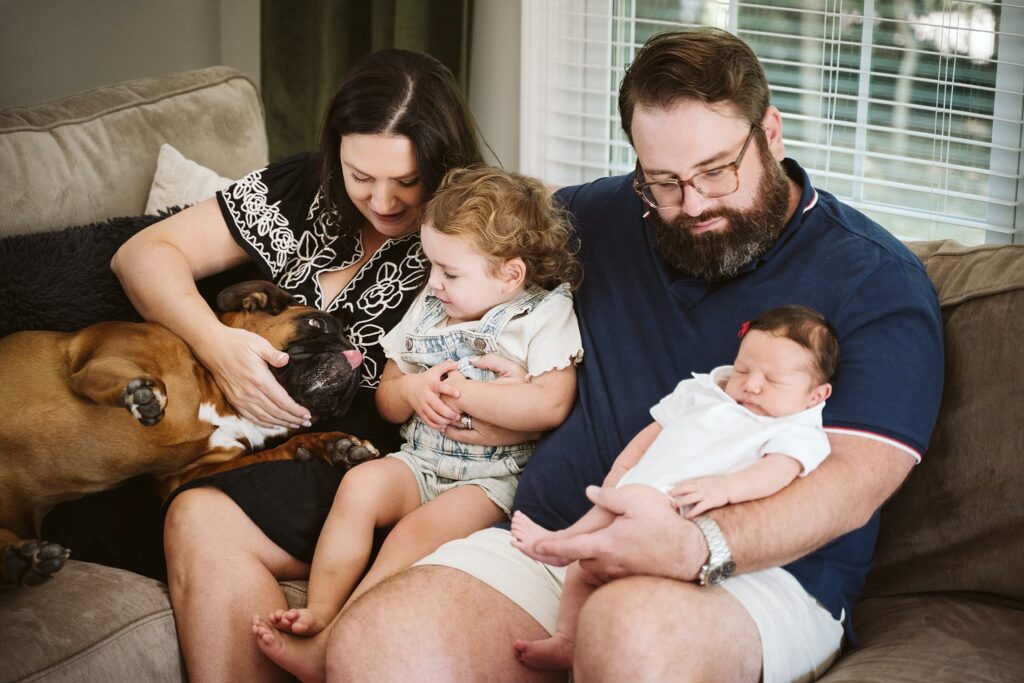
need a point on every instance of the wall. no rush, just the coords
(50, 48)
(494, 77)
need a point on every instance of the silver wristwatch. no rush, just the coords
(719, 565)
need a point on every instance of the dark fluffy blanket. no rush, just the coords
(62, 280)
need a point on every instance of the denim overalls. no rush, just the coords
(440, 462)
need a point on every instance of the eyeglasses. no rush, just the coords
(715, 182)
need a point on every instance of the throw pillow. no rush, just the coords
(181, 182)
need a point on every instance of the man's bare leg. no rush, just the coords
(646, 628)
(432, 623)
(221, 570)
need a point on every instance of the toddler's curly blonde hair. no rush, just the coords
(507, 215)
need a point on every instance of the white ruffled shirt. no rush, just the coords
(546, 338)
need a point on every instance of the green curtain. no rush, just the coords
(308, 46)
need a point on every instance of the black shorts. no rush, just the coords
(287, 500)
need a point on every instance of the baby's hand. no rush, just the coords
(424, 392)
(702, 494)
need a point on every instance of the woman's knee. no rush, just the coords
(198, 519)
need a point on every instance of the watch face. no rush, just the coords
(720, 573)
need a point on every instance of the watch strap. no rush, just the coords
(719, 565)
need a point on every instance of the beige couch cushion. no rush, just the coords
(958, 522)
(934, 638)
(95, 623)
(92, 155)
(92, 623)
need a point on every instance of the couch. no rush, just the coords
(945, 601)
(123, 150)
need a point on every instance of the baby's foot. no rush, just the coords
(304, 658)
(301, 622)
(526, 534)
(553, 653)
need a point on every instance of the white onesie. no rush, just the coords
(705, 432)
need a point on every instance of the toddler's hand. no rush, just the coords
(424, 392)
(702, 494)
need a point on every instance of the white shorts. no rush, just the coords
(799, 638)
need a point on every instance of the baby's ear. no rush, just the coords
(513, 272)
(820, 394)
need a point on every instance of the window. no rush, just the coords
(909, 110)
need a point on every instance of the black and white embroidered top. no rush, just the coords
(277, 215)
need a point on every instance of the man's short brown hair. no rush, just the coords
(705, 64)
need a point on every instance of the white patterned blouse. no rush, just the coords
(277, 215)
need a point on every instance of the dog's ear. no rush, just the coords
(255, 295)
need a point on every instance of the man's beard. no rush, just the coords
(721, 253)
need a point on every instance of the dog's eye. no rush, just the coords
(316, 322)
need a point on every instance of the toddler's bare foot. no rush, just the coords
(526, 534)
(304, 658)
(301, 622)
(553, 653)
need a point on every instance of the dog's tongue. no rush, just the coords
(354, 358)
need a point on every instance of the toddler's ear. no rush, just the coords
(513, 272)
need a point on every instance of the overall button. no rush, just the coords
(408, 344)
(479, 344)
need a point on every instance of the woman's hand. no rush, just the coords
(238, 361)
(507, 370)
(484, 433)
(487, 434)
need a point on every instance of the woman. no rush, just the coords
(339, 229)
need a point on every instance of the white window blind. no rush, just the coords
(909, 110)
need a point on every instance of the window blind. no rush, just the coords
(910, 110)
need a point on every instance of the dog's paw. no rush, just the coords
(146, 399)
(30, 563)
(348, 451)
(345, 451)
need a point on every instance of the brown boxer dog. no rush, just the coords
(82, 412)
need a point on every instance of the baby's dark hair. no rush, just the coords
(506, 215)
(808, 328)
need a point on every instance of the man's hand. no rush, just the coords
(647, 537)
(701, 495)
(238, 360)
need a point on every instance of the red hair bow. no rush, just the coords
(743, 329)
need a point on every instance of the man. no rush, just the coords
(712, 229)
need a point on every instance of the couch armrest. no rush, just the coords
(92, 155)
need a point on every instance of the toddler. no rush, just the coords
(501, 269)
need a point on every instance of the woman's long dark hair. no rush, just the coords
(398, 92)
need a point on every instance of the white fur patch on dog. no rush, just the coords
(231, 429)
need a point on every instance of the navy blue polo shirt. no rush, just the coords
(645, 328)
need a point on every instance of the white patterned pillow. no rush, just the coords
(179, 182)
